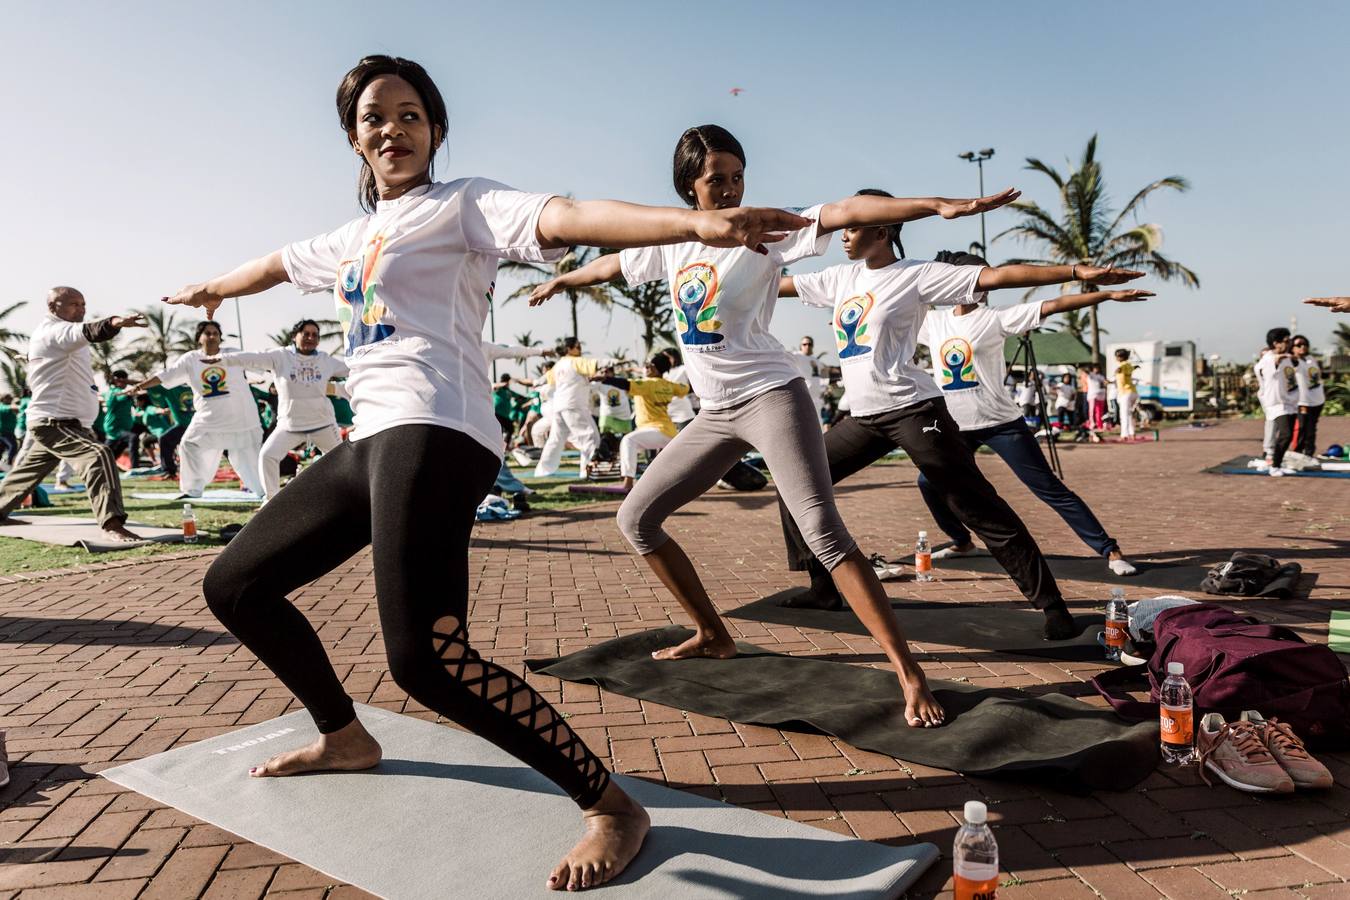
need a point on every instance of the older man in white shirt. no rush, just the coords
(64, 405)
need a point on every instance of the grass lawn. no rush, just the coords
(18, 556)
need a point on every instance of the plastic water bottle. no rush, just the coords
(923, 559)
(1177, 710)
(975, 856)
(189, 524)
(1117, 623)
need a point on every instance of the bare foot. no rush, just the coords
(700, 646)
(119, 532)
(615, 829)
(348, 749)
(921, 707)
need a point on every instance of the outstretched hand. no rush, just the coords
(1107, 275)
(746, 226)
(1335, 304)
(1129, 296)
(135, 320)
(545, 290)
(955, 209)
(198, 296)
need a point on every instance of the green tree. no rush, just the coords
(651, 303)
(165, 336)
(576, 257)
(1342, 337)
(14, 373)
(11, 341)
(1089, 233)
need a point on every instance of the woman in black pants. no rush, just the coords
(879, 302)
(411, 281)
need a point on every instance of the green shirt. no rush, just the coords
(117, 419)
(23, 413)
(177, 400)
(9, 420)
(343, 410)
(504, 402)
(266, 411)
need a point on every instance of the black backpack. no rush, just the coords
(1252, 575)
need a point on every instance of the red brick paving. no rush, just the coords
(112, 663)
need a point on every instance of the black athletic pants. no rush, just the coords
(1307, 430)
(1281, 438)
(168, 449)
(927, 432)
(410, 493)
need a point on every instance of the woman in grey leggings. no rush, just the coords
(752, 396)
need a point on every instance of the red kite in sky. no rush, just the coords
(736, 92)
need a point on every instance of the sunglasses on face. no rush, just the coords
(1300, 344)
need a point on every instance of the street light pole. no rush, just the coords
(239, 322)
(978, 159)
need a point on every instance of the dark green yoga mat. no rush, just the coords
(1011, 631)
(990, 731)
(1152, 576)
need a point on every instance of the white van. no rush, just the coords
(1164, 374)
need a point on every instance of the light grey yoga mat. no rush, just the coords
(73, 531)
(447, 814)
(220, 495)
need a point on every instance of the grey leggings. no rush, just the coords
(783, 425)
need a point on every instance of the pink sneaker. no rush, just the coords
(1289, 752)
(1235, 752)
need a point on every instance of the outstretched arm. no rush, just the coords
(612, 223)
(866, 209)
(253, 277)
(1024, 276)
(597, 271)
(147, 384)
(1078, 301)
(1335, 304)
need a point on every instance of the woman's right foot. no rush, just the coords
(615, 829)
(921, 708)
(699, 646)
(349, 749)
(955, 551)
(1059, 624)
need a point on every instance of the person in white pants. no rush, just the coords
(571, 380)
(304, 414)
(1127, 395)
(651, 398)
(225, 417)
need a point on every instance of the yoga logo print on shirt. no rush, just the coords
(850, 325)
(695, 297)
(307, 373)
(213, 382)
(359, 310)
(1290, 378)
(958, 365)
(1314, 376)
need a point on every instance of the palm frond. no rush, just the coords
(1036, 165)
(1171, 182)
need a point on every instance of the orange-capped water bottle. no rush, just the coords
(1117, 623)
(923, 558)
(1176, 709)
(189, 524)
(975, 856)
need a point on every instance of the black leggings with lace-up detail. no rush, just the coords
(410, 493)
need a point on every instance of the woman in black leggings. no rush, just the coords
(411, 281)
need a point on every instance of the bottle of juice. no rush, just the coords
(975, 856)
(923, 558)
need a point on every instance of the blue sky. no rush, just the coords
(153, 144)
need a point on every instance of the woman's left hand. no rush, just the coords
(955, 209)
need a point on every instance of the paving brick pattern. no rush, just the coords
(110, 664)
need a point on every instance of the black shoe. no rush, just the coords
(519, 503)
(818, 596)
(1059, 625)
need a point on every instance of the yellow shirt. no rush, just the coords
(651, 397)
(1125, 378)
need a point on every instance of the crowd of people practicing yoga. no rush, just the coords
(412, 278)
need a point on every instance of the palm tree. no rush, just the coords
(165, 336)
(1089, 234)
(106, 356)
(9, 336)
(14, 373)
(1075, 322)
(1342, 337)
(524, 339)
(651, 303)
(576, 257)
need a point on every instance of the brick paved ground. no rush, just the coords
(114, 664)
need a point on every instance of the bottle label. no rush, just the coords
(1115, 633)
(189, 528)
(1177, 723)
(975, 881)
(923, 562)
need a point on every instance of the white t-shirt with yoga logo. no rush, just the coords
(1310, 389)
(302, 384)
(724, 299)
(877, 317)
(1278, 384)
(411, 282)
(968, 360)
(221, 400)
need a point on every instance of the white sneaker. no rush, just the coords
(1122, 567)
(1275, 473)
(952, 552)
(885, 569)
(1285, 470)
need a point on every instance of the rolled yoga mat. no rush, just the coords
(990, 731)
(936, 625)
(447, 814)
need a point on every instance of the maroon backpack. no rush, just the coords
(1234, 663)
